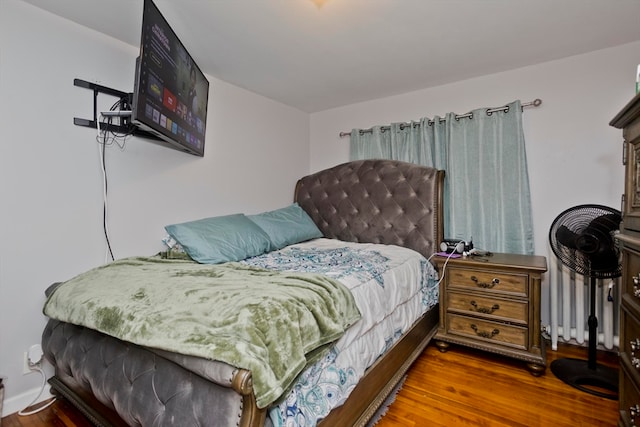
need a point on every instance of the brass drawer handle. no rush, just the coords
(635, 345)
(485, 285)
(636, 285)
(484, 310)
(634, 411)
(484, 334)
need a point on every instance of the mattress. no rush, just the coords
(392, 286)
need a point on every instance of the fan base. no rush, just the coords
(601, 381)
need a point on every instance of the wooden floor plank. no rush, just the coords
(462, 387)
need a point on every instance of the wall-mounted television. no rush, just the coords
(170, 92)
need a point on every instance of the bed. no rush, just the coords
(365, 207)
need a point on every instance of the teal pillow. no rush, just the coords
(220, 239)
(287, 226)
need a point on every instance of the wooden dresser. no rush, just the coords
(628, 119)
(493, 303)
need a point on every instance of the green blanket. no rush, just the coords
(269, 322)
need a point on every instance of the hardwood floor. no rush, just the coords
(459, 387)
(468, 387)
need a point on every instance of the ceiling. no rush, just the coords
(315, 57)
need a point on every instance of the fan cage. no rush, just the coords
(593, 227)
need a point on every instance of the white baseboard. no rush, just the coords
(19, 402)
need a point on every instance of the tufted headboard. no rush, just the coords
(376, 201)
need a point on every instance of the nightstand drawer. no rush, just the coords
(489, 281)
(512, 335)
(488, 307)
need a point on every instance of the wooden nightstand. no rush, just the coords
(492, 303)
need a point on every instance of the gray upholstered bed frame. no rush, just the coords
(118, 383)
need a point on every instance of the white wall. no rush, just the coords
(50, 182)
(574, 156)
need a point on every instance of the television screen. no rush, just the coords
(170, 92)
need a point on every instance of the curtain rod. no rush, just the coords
(535, 103)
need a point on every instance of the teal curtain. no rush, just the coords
(487, 195)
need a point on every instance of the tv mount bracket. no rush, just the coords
(97, 89)
(117, 128)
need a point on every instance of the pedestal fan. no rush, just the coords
(582, 237)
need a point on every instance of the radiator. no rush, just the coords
(569, 300)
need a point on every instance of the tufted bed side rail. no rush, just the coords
(376, 201)
(109, 381)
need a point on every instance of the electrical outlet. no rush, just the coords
(26, 369)
(31, 358)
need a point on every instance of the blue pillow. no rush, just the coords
(220, 239)
(287, 226)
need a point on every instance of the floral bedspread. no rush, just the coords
(363, 264)
(392, 287)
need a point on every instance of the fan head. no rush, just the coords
(582, 237)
